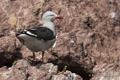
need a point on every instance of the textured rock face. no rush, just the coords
(106, 72)
(22, 70)
(88, 39)
(8, 50)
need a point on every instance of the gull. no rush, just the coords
(41, 38)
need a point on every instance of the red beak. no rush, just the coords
(58, 17)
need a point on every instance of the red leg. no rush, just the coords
(43, 56)
(33, 58)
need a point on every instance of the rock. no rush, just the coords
(4, 25)
(4, 73)
(88, 36)
(23, 70)
(8, 50)
(67, 76)
(106, 72)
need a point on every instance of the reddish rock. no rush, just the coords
(105, 72)
(4, 26)
(8, 50)
(22, 70)
(67, 76)
(88, 36)
(4, 73)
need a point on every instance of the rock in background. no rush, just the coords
(88, 39)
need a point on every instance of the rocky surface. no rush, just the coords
(22, 70)
(106, 72)
(88, 39)
(8, 50)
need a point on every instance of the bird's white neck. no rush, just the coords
(50, 25)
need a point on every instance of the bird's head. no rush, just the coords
(50, 16)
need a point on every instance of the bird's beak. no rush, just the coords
(58, 17)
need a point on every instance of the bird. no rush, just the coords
(40, 38)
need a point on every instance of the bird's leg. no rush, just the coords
(33, 58)
(43, 56)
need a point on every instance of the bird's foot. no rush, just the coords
(31, 60)
(64, 69)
